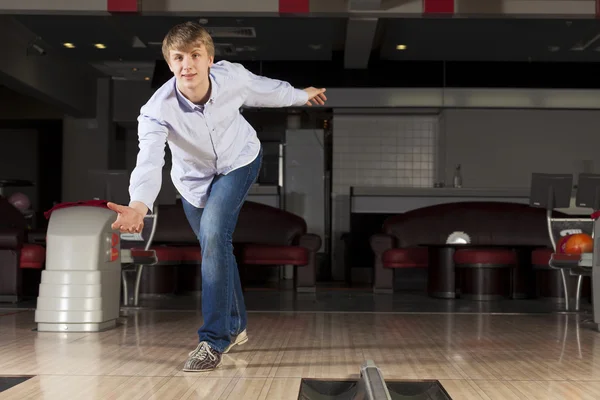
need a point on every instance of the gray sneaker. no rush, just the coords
(237, 340)
(203, 358)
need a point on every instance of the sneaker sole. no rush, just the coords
(237, 342)
(203, 370)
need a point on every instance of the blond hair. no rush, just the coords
(185, 36)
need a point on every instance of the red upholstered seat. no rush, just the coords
(415, 257)
(485, 256)
(32, 256)
(541, 257)
(143, 257)
(264, 235)
(274, 255)
(573, 258)
(167, 254)
(191, 254)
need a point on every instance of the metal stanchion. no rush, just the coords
(371, 385)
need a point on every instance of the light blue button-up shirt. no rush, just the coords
(204, 140)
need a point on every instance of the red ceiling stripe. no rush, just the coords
(439, 6)
(597, 8)
(122, 5)
(294, 6)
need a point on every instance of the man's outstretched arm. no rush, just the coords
(267, 92)
(146, 178)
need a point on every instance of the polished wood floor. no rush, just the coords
(474, 356)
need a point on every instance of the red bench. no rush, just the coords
(16, 253)
(264, 235)
(400, 243)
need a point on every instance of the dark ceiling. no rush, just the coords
(133, 42)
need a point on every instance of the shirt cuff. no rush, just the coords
(146, 202)
(301, 97)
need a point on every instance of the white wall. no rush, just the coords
(304, 178)
(501, 148)
(375, 150)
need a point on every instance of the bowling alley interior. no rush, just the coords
(429, 232)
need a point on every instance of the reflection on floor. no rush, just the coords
(514, 349)
(348, 301)
(364, 301)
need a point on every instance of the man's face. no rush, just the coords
(190, 67)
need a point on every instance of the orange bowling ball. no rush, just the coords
(561, 243)
(576, 244)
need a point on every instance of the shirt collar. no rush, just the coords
(188, 103)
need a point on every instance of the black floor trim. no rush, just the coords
(7, 382)
(322, 389)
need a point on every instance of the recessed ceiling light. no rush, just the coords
(99, 46)
(69, 45)
(401, 47)
(147, 78)
(134, 69)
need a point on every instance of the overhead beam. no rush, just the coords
(226, 7)
(123, 6)
(438, 98)
(129, 96)
(53, 7)
(360, 33)
(519, 8)
(526, 8)
(438, 6)
(28, 67)
(294, 6)
(215, 7)
(364, 5)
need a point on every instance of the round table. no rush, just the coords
(441, 272)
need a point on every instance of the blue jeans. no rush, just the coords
(223, 307)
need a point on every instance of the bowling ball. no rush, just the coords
(19, 201)
(577, 243)
(561, 243)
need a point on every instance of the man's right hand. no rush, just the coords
(130, 219)
(316, 96)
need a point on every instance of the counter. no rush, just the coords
(394, 199)
(265, 194)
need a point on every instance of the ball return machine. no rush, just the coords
(552, 191)
(86, 262)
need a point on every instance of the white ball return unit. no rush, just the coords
(555, 191)
(86, 262)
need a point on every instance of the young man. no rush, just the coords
(216, 159)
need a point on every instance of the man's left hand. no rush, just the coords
(315, 96)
